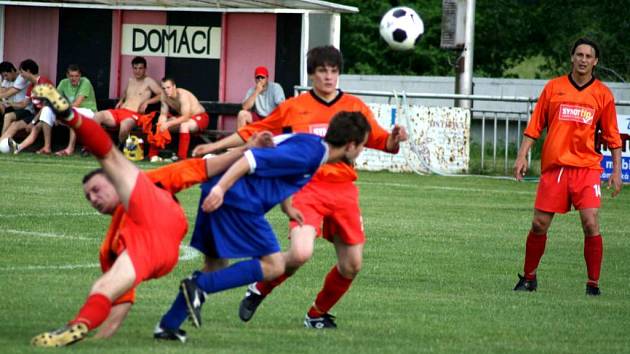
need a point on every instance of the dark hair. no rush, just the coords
(7, 67)
(139, 60)
(93, 173)
(73, 67)
(29, 65)
(323, 56)
(168, 78)
(586, 41)
(347, 127)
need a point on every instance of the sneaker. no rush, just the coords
(169, 334)
(250, 303)
(592, 290)
(14, 147)
(194, 299)
(525, 285)
(324, 321)
(57, 102)
(63, 336)
(156, 159)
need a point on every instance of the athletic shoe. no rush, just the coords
(63, 336)
(325, 321)
(592, 290)
(194, 299)
(13, 146)
(169, 334)
(57, 102)
(250, 303)
(525, 285)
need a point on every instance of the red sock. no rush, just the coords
(90, 135)
(153, 151)
(94, 311)
(184, 142)
(335, 285)
(265, 287)
(534, 249)
(593, 253)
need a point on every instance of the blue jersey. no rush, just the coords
(275, 173)
(238, 228)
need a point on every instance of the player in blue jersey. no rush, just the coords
(230, 220)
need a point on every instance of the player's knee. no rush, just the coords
(590, 227)
(350, 268)
(272, 266)
(298, 256)
(214, 264)
(540, 226)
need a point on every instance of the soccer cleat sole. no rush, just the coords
(48, 92)
(190, 307)
(69, 335)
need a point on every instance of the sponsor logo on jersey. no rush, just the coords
(577, 114)
(318, 129)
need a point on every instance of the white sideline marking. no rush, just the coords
(45, 234)
(459, 189)
(21, 215)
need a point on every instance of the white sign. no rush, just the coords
(171, 41)
(623, 122)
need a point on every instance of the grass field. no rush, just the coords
(440, 262)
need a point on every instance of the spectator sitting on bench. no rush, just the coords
(141, 91)
(180, 111)
(13, 95)
(261, 99)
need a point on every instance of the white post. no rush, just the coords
(2, 32)
(463, 79)
(335, 30)
(304, 48)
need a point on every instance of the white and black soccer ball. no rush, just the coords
(401, 28)
(7, 146)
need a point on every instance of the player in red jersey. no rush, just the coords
(147, 226)
(330, 202)
(571, 108)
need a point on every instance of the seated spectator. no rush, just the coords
(182, 112)
(141, 91)
(80, 93)
(261, 99)
(39, 120)
(13, 98)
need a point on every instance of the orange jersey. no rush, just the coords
(572, 115)
(307, 113)
(173, 178)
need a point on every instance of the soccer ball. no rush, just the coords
(401, 28)
(7, 146)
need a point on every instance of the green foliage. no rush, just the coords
(437, 276)
(507, 32)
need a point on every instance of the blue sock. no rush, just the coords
(238, 274)
(177, 314)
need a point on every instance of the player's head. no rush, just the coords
(348, 130)
(169, 87)
(8, 71)
(100, 192)
(323, 65)
(29, 68)
(584, 56)
(139, 65)
(73, 73)
(261, 74)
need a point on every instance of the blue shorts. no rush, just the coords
(229, 232)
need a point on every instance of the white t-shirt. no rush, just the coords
(21, 84)
(268, 99)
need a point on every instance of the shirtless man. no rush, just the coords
(181, 111)
(140, 92)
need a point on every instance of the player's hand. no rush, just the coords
(143, 107)
(203, 149)
(161, 127)
(615, 182)
(214, 200)
(295, 215)
(260, 86)
(399, 134)
(261, 140)
(520, 168)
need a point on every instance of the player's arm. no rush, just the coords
(19, 105)
(215, 198)
(186, 110)
(113, 322)
(250, 100)
(228, 142)
(615, 178)
(520, 165)
(9, 92)
(122, 98)
(293, 213)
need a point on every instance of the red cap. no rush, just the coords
(261, 71)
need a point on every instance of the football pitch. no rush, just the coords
(439, 266)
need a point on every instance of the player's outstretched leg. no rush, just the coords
(63, 336)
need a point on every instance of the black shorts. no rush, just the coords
(25, 115)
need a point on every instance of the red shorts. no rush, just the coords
(121, 114)
(256, 117)
(561, 187)
(202, 120)
(154, 227)
(332, 209)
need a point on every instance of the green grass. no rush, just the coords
(440, 262)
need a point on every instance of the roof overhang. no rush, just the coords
(249, 6)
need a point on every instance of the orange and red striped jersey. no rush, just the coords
(307, 113)
(173, 178)
(572, 115)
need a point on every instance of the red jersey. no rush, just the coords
(172, 178)
(307, 113)
(572, 115)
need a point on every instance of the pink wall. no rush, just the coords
(121, 64)
(32, 32)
